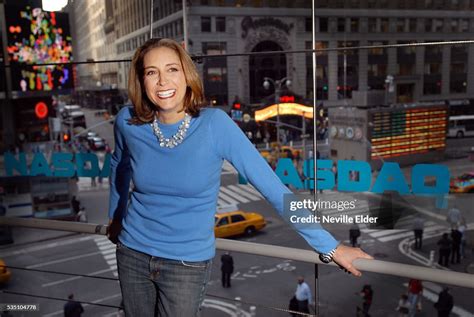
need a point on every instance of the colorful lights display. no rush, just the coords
(284, 109)
(38, 37)
(400, 132)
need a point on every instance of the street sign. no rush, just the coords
(236, 115)
(305, 136)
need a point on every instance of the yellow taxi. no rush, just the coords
(5, 274)
(462, 184)
(238, 222)
(275, 152)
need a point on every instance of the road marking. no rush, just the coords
(234, 195)
(249, 188)
(71, 258)
(45, 246)
(108, 251)
(407, 234)
(229, 200)
(228, 308)
(74, 278)
(244, 193)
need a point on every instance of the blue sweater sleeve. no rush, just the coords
(120, 170)
(234, 146)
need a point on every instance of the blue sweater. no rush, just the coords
(170, 212)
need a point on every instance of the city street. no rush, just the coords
(259, 281)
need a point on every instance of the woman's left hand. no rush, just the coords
(344, 256)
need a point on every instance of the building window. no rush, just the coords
(372, 25)
(308, 25)
(458, 68)
(454, 25)
(377, 70)
(412, 23)
(401, 25)
(323, 24)
(354, 25)
(406, 69)
(220, 24)
(433, 68)
(384, 25)
(438, 25)
(341, 24)
(428, 25)
(205, 24)
(432, 87)
(215, 73)
(458, 84)
(464, 25)
(377, 50)
(320, 46)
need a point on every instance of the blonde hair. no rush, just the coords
(144, 109)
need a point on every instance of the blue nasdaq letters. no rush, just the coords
(60, 165)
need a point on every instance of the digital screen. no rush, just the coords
(37, 37)
(407, 131)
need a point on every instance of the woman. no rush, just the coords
(173, 150)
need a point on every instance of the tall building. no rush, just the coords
(219, 27)
(94, 40)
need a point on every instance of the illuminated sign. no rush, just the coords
(405, 132)
(287, 99)
(41, 110)
(284, 109)
(38, 37)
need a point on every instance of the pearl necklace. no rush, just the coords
(176, 139)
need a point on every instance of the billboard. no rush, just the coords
(35, 37)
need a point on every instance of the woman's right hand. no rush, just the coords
(113, 231)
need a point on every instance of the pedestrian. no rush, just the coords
(444, 250)
(404, 306)
(75, 204)
(354, 234)
(418, 227)
(453, 217)
(415, 289)
(303, 295)
(227, 268)
(462, 229)
(72, 308)
(173, 148)
(367, 295)
(445, 303)
(81, 216)
(456, 237)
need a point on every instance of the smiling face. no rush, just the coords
(165, 82)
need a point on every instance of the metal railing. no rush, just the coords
(375, 266)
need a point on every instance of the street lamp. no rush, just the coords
(278, 84)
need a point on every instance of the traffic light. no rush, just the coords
(41, 110)
(237, 106)
(66, 137)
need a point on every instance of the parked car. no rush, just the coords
(238, 222)
(5, 273)
(462, 184)
(96, 143)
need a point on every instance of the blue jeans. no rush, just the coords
(153, 286)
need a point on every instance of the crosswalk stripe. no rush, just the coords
(244, 193)
(112, 262)
(111, 250)
(221, 203)
(250, 189)
(234, 195)
(229, 200)
(407, 234)
(109, 256)
(390, 231)
(228, 167)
